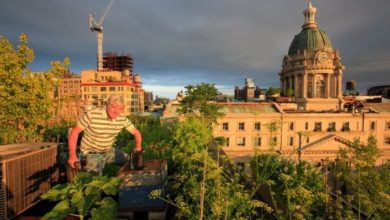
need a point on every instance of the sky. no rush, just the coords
(180, 42)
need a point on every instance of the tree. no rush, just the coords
(290, 92)
(26, 102)
(273, 127)
(273, 91)
(297, 190)
(203, 189)
(367, 186)
(198, 100)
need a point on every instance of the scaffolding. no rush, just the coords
(116, 62)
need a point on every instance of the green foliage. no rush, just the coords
(198, 100)
(273, 91)
(87, 195)
(297, 188)
(57, 131)
(272, 127)
(290, 92)
(156, 137)
(25, 97)
(367, 186)
(198, 177)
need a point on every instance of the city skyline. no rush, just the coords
(178, 43)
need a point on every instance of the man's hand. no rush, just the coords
(72, 161)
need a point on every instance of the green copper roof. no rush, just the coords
(310, 39)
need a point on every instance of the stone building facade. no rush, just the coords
(317, 136)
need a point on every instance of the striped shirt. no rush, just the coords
(100, 131)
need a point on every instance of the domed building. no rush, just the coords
(312, 71)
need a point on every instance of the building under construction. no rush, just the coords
(116, 62)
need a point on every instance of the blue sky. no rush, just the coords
(181, 42)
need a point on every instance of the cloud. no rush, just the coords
(176, 42)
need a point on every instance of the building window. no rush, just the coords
(373, 126)
(111, 88)
(318, 126)
(291, 126)
(94, 89)
(345, 127)
(387, 125)
(306, 126)
(307, 140)
(274, 141)
(241, 126)
(94, 96)
(241, 141)
(103, 89)
(257, 141)
(387, 140)
(227, 142)
(332, 126)
(104, 96)
(225, 126)
(291, 141)
(257, 126)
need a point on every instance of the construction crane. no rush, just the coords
(98, 28)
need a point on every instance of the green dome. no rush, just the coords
(310, 39)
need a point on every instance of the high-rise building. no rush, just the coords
(97, 86)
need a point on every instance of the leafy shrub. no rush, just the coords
(87, 196)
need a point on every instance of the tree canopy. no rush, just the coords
(26, 102)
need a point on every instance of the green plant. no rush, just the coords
(155, 137)
(25, 102)
(297, 190)
(290, 92)
(87, 195)
(366, 185)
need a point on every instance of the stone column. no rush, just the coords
(328, 85)
(296, 87)
(314, 86)
(340, 85)
(304, 89)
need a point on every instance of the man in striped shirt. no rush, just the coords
(101, 126)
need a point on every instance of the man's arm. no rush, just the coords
(138, 138)
(72, 143)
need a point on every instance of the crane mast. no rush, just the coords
(98, 28)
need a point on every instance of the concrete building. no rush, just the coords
(97, 86)
(148, 103)
(248, 93)
(69, 86)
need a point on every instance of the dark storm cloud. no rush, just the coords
(179, 42)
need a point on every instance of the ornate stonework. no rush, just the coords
(312, 68)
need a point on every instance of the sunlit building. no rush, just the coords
(313, 125)
(117, 79)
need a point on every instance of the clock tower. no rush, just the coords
(312, 70)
